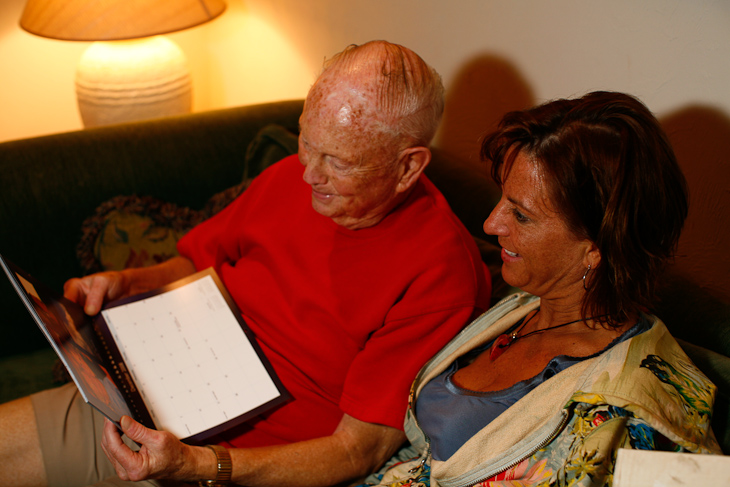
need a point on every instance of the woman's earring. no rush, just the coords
(584, 277)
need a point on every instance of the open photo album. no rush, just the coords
(179, 358)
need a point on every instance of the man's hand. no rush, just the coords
(355, 449)
(91, 291)
(161, 455)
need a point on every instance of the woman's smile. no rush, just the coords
(510, 254)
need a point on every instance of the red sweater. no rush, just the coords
(346, 317)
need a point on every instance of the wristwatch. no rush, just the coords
(225, 468)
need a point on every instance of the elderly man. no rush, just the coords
(347, 264)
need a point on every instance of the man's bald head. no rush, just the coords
(400, 94)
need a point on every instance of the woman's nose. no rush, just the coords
(494, 225)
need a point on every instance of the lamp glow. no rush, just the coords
(125, 78)
(123, 81)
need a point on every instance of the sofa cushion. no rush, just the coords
(271, 144)
(138, 231)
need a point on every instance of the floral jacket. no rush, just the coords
(643, 393)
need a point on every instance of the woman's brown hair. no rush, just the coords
(613, 175)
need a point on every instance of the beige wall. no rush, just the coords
(494, 55)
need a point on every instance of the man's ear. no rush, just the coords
(412, 163)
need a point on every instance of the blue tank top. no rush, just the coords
(450, 415)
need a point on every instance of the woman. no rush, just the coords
(550, 383)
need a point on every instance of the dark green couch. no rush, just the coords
(50, 185)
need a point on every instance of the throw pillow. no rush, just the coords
(138, 231)
(133, 231)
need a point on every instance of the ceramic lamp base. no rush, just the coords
(124, 81)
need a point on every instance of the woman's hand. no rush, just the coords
(91, 291)
(161, 455)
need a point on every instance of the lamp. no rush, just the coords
(131, 72)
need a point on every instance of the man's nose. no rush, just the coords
(314, 172)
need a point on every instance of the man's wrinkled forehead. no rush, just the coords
(346, 114)
(341, 102)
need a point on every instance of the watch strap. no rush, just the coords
(225, 468)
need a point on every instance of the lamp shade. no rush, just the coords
(105, 20)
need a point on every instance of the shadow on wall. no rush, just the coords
(696, 287)
(700, 137)
(483, 90)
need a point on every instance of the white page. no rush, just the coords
(189, 357)
(646, 468)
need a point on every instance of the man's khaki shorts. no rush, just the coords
(70, 433)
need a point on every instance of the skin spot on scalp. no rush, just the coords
(344, 115)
